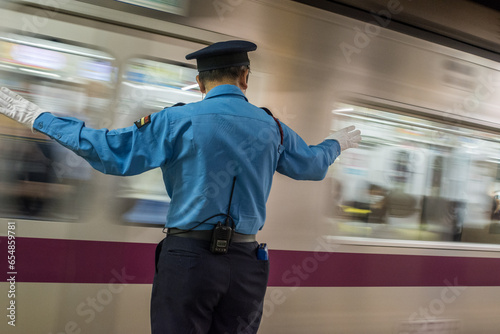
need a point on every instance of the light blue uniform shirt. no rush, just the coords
(200, 147)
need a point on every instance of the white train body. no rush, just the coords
(401, 237)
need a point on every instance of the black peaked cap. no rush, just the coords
(222, 54)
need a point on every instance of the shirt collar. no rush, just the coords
(226, 90)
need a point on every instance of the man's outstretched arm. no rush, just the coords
(127, 151)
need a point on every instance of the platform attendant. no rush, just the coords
(218, 157)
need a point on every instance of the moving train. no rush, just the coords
(401, 237)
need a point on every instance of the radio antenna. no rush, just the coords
(230, 200)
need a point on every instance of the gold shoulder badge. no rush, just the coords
(143, 121)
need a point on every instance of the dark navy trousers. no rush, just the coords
(198, 292)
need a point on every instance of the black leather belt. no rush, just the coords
(207, 235)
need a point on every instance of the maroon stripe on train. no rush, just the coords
(79, 261)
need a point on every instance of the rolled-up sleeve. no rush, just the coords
(127, 151)
(306, 162)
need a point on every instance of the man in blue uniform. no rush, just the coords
(218, 157)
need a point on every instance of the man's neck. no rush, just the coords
(212, 84)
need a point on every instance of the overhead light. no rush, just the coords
(342, 109)
(40, 72)
(190, 87)
(7, 66)
(79, 51)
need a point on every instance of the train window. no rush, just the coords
(415, 179)
(38, 178)
(148, 86)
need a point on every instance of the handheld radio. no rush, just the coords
(222, 234)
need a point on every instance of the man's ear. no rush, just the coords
(203, 90)
(243, 80)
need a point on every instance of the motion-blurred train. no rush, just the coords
(401, 237)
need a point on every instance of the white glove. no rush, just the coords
(347, 137)
(18, 108)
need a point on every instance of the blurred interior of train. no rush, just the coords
(416, 179)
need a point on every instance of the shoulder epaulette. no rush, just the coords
(178, 104)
